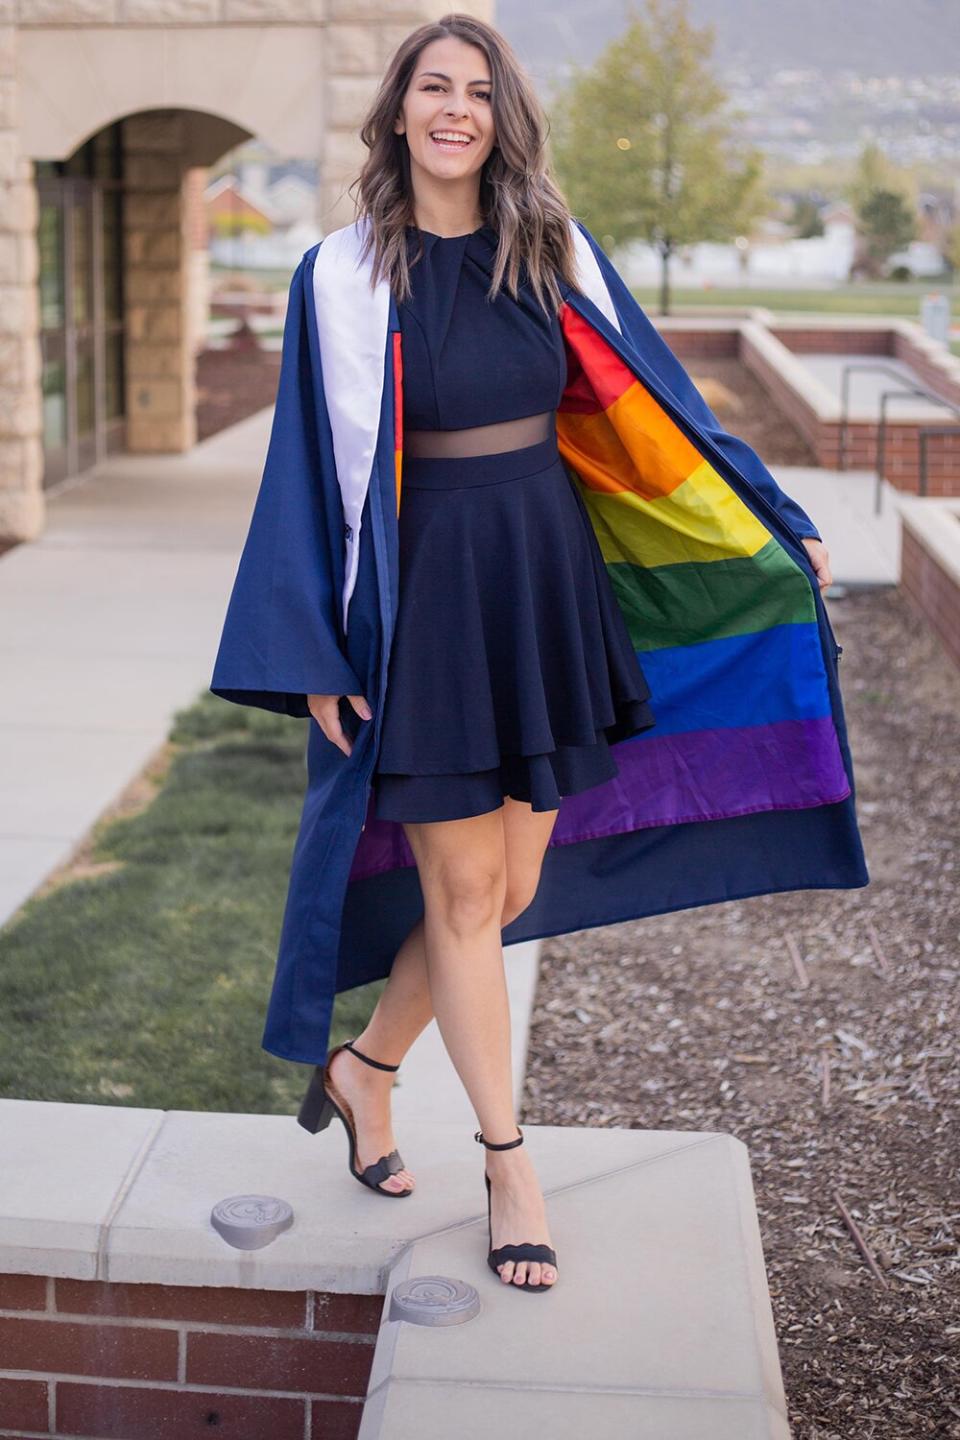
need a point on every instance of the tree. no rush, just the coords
(875, 171)
(642, 146)
(806, 220)
(884, 199)
(886, 225)
(951, 249)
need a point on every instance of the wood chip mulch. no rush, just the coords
(819, 1027)
(232, 384)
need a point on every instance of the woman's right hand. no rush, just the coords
(325, 709)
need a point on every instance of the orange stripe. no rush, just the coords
(397, 411)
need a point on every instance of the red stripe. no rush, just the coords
(397, 408)
(589, 354)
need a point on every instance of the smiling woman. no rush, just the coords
(602, 682)
(436, 117)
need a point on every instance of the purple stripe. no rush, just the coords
(709, 775)
(671, 779)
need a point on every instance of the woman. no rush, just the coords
(511, 669)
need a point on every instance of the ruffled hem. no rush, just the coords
(541, 780)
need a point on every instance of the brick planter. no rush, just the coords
(113, 1361)
(930, 565)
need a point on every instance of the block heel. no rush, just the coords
(320, 1104)
(317, 1109)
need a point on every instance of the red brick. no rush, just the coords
(284, 1309)
(278, 1362)
(348, 1314)
(58, 1346)
(335, 1420)
(23, 1405)
(23, 1292)
(122, 1412)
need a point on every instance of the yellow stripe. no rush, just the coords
(701, 520)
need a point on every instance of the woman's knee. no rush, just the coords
(467, 896)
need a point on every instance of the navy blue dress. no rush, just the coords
(511, 669)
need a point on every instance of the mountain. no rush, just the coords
(870, 37)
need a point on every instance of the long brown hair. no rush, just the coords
(518, 195)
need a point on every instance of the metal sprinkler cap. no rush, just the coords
(249, 1222)
(434, 1300)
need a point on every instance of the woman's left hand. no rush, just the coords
(820, 560)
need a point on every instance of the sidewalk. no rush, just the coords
(864, 547)
(111, 622)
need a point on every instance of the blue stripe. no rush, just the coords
(756, 679)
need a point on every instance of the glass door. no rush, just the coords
(81, 306)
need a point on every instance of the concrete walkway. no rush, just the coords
(864, 547)
(867, 386)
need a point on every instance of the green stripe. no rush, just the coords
(669, 605)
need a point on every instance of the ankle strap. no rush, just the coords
(507, 1145)
(349, 1045)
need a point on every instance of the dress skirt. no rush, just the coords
(511, 669)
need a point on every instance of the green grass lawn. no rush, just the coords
(889, 299)
(147, 983)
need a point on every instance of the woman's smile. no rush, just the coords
(444, 140)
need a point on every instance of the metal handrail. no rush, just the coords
(886, 369)
(912, 392)
(845, 374)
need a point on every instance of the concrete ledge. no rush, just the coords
(435, 1412)
(936, 524)
(660, 1322)
(659, 1325)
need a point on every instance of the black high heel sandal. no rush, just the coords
(543, 1253)
(319, 1107)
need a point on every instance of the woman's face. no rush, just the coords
(448, 96)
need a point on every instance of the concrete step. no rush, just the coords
(659, 1327)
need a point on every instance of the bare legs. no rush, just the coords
(476, 875)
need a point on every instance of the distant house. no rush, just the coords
(227, 205)
(839, 222)
(923, 260)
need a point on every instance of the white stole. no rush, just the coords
(352, 321)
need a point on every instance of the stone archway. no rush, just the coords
(189, 79)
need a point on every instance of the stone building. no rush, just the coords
(107, 108)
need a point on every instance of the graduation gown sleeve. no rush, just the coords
(671, 372)
(282, 638)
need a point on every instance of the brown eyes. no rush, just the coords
(435, 85)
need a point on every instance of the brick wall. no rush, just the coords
(932, 590)
(926, 366)
(902, 447)
(167, 1362)
(834, 340)
(706, 344)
